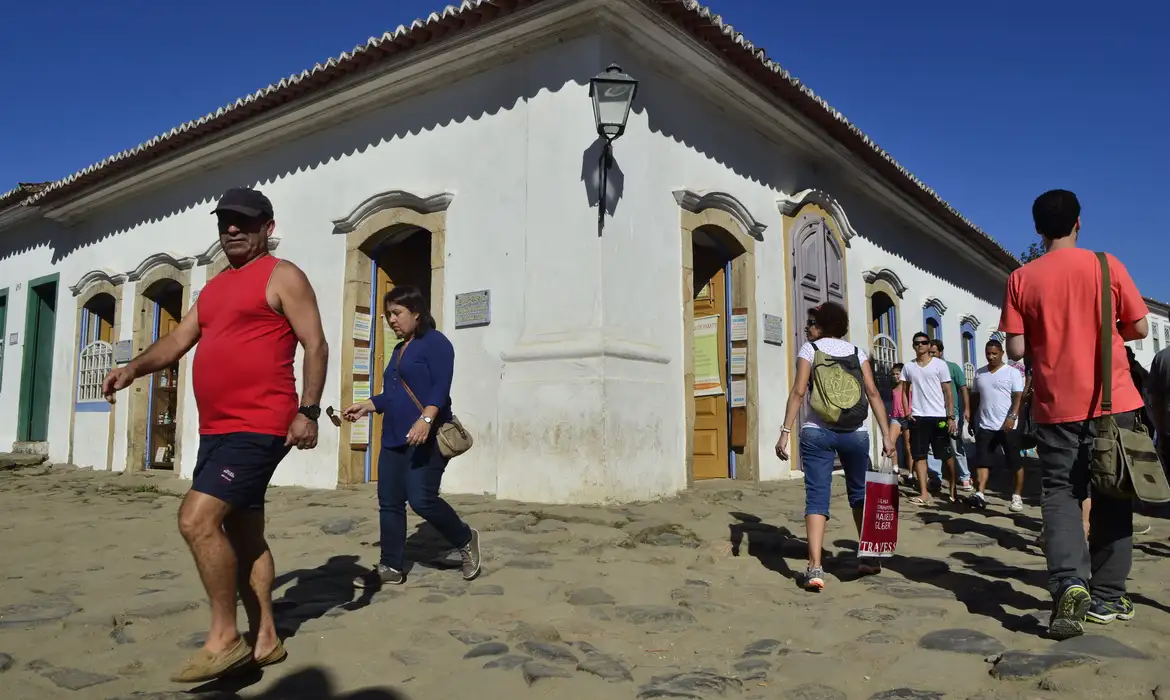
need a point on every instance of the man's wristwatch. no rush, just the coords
(1011, 416)
(311, 412)
(427, 420)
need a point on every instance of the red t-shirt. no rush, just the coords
(1055, 302)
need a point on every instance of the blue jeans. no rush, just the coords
(818, 447)
(412, 475)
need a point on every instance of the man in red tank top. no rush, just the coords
(247, 322)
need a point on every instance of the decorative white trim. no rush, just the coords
(694, 202)
(885, 273)
(215, 250)
(970, 319)
(392, 199)
(938, 306)
(156, 259)
(99, 275)
(791, 203)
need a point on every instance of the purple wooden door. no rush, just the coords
(818, 276)
(817, 271)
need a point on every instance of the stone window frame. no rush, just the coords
(725, 213)
(367, 223)
(90, 285)
(154, 269)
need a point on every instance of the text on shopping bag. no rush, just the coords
(879, 521)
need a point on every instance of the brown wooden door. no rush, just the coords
(383, 347)
(711, 439)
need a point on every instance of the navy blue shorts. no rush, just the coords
(236, 467)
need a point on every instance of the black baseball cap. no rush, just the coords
(246, 201)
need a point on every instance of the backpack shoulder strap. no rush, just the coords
(1106, 338)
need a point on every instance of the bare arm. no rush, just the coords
(297, 301)
(1017, 398)
(167, 350)
(949, 399)
(1137, 330)
(966, 400)
(1015, 346)
(876, 404)
(796, 396)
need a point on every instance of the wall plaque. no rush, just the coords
(473, 309)
(13, 338)
(123, 351)
(773, 330)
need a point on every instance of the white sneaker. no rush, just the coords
(1017, 504)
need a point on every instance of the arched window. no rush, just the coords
(95, 351)
(932, 313)
(967, 328)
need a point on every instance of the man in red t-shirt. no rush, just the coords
(1052, 313)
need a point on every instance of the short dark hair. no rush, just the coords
(411, 297)
(938, 344)
(993, 343)
(1055, 213)
(831, 318)
(898, 366)
(920, 334)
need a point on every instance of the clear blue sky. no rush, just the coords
(989, 103)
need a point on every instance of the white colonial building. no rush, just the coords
(594, 363)
(1159, 337)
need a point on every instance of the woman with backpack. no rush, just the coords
(834, 385)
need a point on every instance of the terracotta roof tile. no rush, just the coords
(700, 21)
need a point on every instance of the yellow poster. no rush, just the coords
(707, 382)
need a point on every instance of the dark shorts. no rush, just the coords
(236, 467)
(988, 441)
(930, 435)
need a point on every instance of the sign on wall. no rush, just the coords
(473, 309)
(739, 327)
(123, 351)
(773, 330)
(13, 338)
(706, 349)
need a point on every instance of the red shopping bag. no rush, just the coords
(879, 519)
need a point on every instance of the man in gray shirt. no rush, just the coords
(1157, 395)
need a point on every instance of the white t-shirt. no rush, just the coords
(995, 391)
(837, 348)
(926, 384)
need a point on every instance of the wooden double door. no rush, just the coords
(711, 442)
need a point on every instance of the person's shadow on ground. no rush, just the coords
(312, 683)
(325, 590)
(773, 546)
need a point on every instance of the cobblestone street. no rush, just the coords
(692, 597)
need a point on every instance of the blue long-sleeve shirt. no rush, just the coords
(427, 366)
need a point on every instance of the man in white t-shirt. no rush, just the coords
(926, 383)
(996, 394)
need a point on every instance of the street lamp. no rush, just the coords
(613, 94)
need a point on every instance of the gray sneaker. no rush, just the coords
(381, 575)
(469, 553)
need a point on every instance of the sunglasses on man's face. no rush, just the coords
(921, 342)
(244, 224)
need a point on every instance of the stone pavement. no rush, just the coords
(693, 597)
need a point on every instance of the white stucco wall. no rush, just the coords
(574, 392)
(1144, 350)
(677, 140)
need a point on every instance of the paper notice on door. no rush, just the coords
(359, 432)
(361, 391)
(361, 326)
(739, 327)
(738, 393)
(361, 361)
(707, 382)
(739, 360)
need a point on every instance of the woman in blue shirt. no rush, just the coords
(415, 401)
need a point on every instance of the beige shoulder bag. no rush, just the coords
(452, 438)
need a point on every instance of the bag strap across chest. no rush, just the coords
(1106, 338)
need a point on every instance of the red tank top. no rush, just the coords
(243, 368)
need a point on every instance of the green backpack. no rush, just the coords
(838, 394)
